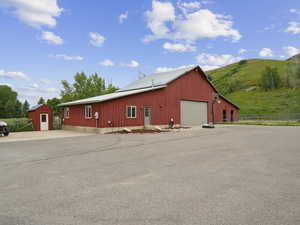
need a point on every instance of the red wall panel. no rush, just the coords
(165, 104)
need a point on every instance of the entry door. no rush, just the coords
(193, 113)
(44, 121)
(147, 116)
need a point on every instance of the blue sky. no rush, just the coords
(46, 41)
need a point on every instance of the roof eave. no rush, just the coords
(98, 101)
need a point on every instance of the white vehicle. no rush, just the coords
(4, 129)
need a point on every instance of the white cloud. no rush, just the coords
(66, 57)
(177, 47)
(242, 51)
(133, 63)
(190, 5)
(291, 51)
(161, 13)
(189, 27)
(36, 88)
(295, 11)
(294, 27)
(123, 17)
(211, 61)
(51, 38)
(266, 52)
(14, 75)
(35, 13)
(107, 62)
(7, 84)
(167, 69)
(45, 81)
(97, 39)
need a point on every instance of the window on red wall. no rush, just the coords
(88, 111)
(66, 112)
(131, 111)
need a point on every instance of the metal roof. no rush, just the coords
(147, 83)
(111, 96)
(157, 79)
(35, 107)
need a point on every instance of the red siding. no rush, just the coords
(165, 104)
(35, 117)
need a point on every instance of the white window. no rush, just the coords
(66, 112)
(131, 111)
(88, 111)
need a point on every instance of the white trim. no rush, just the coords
(127, 111)
(88, 112)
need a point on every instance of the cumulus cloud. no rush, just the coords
(123, 17)
(51, 38)
(66, 57)
(96, 39)
(291, 51)
(14, 75)
(107, 62)
(36, 88)
(189, 26)
(266, 52)
(190, 5)
(161, 13)
(177, 47)
(294, 27)
(167, 69)
(132, 63)
(212, 61)
(242, 51)
(45, 81)
(295, 11)
(35, 13)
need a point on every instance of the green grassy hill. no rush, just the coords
(239, 82)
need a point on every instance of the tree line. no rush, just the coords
(10, 106)
(83, 87)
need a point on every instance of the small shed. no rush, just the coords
(42, 117)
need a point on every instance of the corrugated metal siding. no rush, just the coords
(165, 104)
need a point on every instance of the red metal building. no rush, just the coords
(42, 117)
(185, 96)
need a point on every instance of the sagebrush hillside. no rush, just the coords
(240, 82)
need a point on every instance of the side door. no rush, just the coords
(44, 121)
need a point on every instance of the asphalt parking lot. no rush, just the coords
(228, 175)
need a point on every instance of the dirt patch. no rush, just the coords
(139, 131)
(147, 131)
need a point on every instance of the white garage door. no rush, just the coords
(193, 113)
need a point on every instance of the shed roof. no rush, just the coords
(35, 107)
(111, 96)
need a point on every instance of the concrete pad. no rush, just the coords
(40, 135)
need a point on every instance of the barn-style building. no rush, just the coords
(185, 96)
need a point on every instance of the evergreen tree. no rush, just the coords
(41, 101)
(18, 109)
(25, 108)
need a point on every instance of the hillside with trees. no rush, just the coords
(261, 86)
